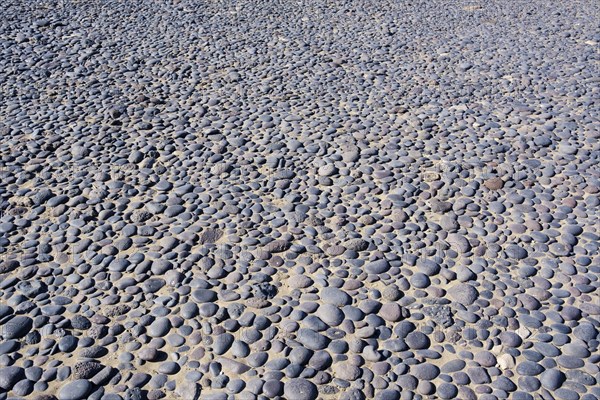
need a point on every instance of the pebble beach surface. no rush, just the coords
(300, 200)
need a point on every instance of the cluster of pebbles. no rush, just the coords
(315, 199)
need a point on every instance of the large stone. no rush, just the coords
(17, 327)
(9, 376)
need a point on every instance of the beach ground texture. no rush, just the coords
(299, 200)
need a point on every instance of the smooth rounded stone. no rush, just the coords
(570, 313)
(34, 373)
(9, 376)
(576, 349)
(204, 295)
(447, 391)
(63, 373)
(169, 368)
(505, 384)
(529, 383)
(189, 310)
(273, 388)
(315, 323)
(75, 390)
(449, 222)
(407, 382)
(420, 280)
(153, 285)
(159, 328)
(546, 349)
(222, 343)
(258, 358)
(320, 360)
(417, 341)
(391, 312)
(566, 394)
(300, 282)
(403, 328)
(510, 339)
(300, 355)
(377, 267)
(458, 243)
(495, 183)
(334, 296)
(585, 331)
(300, 389)
(478, 375)
(235, 386)
(522, 396)
(552, 379)
(23, 388)
(330, 314)
(311, 339)
(175, 340)
(463, 293)
(453, 366)
(387, 394)
(570, 362)
(485, 358)
(139, 379)
(148, 354)
(426, 372)
(516, 252)
(582, 377)
(67, 343)
(529, 368)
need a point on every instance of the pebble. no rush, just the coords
(9, 376)
(417, 340)
(75, 390)
(377, 267)
(17, 327)
(335, 297)
(425, 372)
(552, 379)
(529, 368)
(463, 293)
(300, 389)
